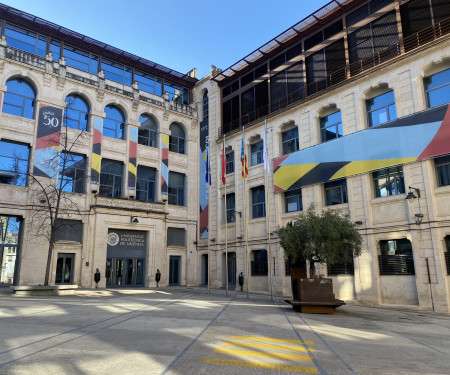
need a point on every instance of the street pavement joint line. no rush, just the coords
(266, 366)
(179, 356)
(252, 353)
(267, 339)
(82, 335)
(268, 346)
(328, 346)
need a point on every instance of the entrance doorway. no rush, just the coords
(124, 272)
(231, 270)
(64, 268)
(204, 276)
(174, 270)
(9, 249)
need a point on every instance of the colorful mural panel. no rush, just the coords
(132, 158)
(97, 151)
(164, 166)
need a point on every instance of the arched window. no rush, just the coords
(19, 98)
(77, 113)
(177, 138)
(114, 122)
(148, 131)
(205, 106)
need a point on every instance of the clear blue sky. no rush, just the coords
(179, 34)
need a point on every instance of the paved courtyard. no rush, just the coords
(188, 331)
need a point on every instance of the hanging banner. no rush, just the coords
(204, 196)
(132, 158)
(97, 150)
(164, 166)
(416, 137)
(48, 140)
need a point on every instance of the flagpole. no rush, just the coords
(266, 182)
(246, 237)
(226, 216)
(209, 249)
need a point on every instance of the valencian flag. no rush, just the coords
(224, 162)
(244, 158)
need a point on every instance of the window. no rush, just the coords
(148, 83)
(331, 126)
(77, 113)
(55, 49)
(258, 202)
(111, 179)
(341, 268)
(176, 237)
(205, 106)
(145, 185)
(289, 140)
(336, 192)
(389, 181)
(256, 151)
(293, 200)
(19, 98)
(381, 109)
(176, 189)
(69, 230)
(443, 170)
(447, 253)
(25, 40)
(259, 263)
(177, 93)
(396, 257)
(177, 138)
(148, 131)
(13, 163)
(114, 122)
(116, 72)
(231, 208)
(437, 88)
(79, 59)
(230, 162)
(71, 173)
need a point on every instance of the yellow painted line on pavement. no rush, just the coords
(267, 346)
(253, 338)
(266, 366)
(252, 353)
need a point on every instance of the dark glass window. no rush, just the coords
(230, 208)
(293, 200)
(55, 49)
(79, 59)
(289, 139)
(230, 162)
(336, 192)
(71, 172)
(69, 230)
(148, 131)
(176, 237)
(437, 88)
(148, 82)
(19, 98)
(177, 93)
(177, 138)
(389, 181)
(258, 202)
(111, 178)
(381, 109)
(145, 185)
(116, 72)
(205, 106)
(176, 188)
(77, 113)
(25, 40)
(447, 253)
(443, 170)
(13, 163)
(114, 122)
(256, 151)
(396, 257)
(259, 265)
(331, 126)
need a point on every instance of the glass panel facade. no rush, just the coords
(79, 59)
(71, 173)
(177, 93)
(148, 83)
(13, 163)
(145, 184)
(116, 72)
(111, 179)
(25, 40)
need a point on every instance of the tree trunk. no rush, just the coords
(312, 269)
(49, 260)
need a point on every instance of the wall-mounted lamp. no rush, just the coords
(94, 191)
(195, 242)
(164, 198)
(411, 196)
(213, 240)
(419, 218)
(134, 220)
(131, 196)
(358, 222)
(239, 238)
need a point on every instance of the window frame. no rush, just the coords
(148, 134)
(17, 170)
(258, 194)
(230, 208)
(395, 264)
(23, 107)
(389, 172)
(256, 153)
(325, 126)
(427, 83)
(80, 113)
(74, 182)
(336, 185)
(230, 162)
(296, 197)
(287, 138)
(177, 143)
(442, 166)
(176, 193)
(260, 263)
(387, 107)
(117, 180)
(114, 125)
(150, 191)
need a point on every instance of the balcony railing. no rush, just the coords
(341, 269)
(396, 264)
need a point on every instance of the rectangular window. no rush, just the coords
(79, 59)
(442, 164)
(437, 88)
(381, 109)
(116, 72)
(290, 141)
(230, 208)
(258, 202)
(396, 257)
(293, 200)
(230, 162)
(111, 179)
(331, 126)
(389, 181)
(336, 192)
(69, 230)
(26, 40)
(55, 49)
(176, 237)
(176, 189)
(148, 83)
(177, 93)
(256, 151)
(259, 266)
(71, 173)
(447, 253)
(145, 184)
(13, 163)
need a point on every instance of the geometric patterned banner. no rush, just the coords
(416, 137)
(132, 158)
(204, 191)
(164, 165)
(97, 150)
(48, 140)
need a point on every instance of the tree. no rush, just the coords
(326, 237)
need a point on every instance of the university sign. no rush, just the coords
(129, 204)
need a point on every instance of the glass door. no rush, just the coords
(174, 270)
(124, 272)
(64, 269)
